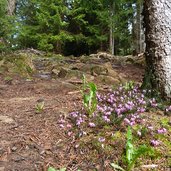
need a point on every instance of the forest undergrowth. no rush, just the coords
(124, 127)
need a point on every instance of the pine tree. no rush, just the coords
(43, 27)
(7, 24)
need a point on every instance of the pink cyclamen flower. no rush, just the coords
(61, 126)
(69, 125)
(155, 142)
(161, 131)
(101, 139)
(70, 133)
(106, 119)
(91, 124)
(127, 121)
(61, 121)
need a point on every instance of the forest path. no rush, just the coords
(27, 138)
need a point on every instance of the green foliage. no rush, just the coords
(3, 4)
(132, 153)
(89, 96)
(39, 107)
(70, 27)
(129, 85)
(41, 26)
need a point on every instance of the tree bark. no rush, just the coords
(137, 31)
(112, 39)
(157, 22)
(11, 4)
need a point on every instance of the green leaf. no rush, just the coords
(129, 152)
(92, 87)
(51, 169)
(140, 151)
(86, 98)
(63, 169)
(129, 146)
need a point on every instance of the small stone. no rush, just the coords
(3, 87)
(6, 119)
(14, 148)
(2, 168)
(55, 71)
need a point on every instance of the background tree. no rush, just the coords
(137, 29)
(7, 9)
(157, 14)
(43, 27)
(11, 5)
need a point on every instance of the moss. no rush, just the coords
(21, 64)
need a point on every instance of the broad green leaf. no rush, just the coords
(129, 146)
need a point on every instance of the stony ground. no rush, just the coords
(31, 140)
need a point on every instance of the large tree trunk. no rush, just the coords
(157, 20)
(11, 7)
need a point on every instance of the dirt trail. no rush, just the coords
(28, 140)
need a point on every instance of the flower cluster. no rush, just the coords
(117, 107)
(120, 105)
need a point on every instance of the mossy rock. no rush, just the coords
(63, 73)
(75, 73)
(98, 70)
(108, 80)
(19, 63)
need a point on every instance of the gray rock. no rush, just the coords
(63, 73)
(108, 80)
(6, 119)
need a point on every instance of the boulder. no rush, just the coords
(63, 73)
(108, 80)
(74, 73)
(105, 56)
(55, 72)
(98, 70)
(77, 66)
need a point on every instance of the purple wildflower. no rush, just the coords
(101, 139)
(155, 142)
(91, 124)
(61, 126)
(105, 118)
(161, 131)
